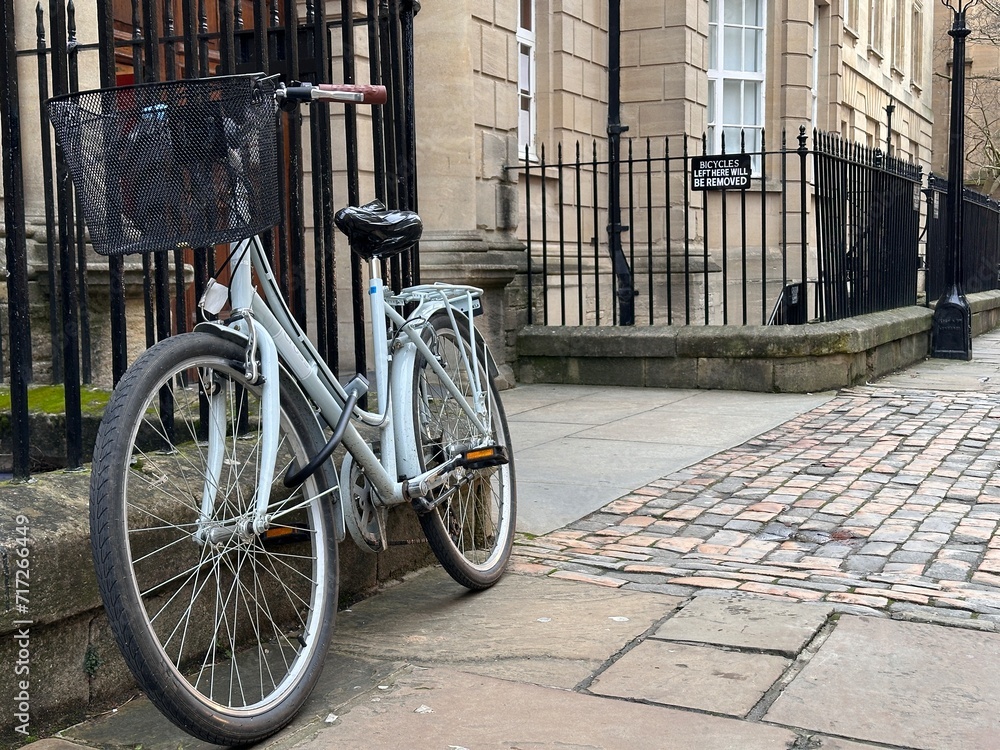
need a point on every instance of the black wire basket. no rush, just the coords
(171, 165)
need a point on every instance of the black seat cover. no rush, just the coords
(376, 231)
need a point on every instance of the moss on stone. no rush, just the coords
(51, 399)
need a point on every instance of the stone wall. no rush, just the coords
(796, 359)
(466, 137)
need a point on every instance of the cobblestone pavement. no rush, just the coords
(883, 500)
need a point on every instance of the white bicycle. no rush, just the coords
(216, 507)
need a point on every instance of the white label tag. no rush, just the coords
(214, 298)
(463, 305)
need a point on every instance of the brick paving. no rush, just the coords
(882, 500)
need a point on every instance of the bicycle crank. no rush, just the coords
(430, 489)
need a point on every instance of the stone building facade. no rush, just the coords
(757, 70)
(831, 64)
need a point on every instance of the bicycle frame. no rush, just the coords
(267, 326)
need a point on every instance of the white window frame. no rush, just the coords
(917, 46)
(850, 13)
(718, 75)
(876, 27)
(527, 128)
(814, 83)
(899, 36)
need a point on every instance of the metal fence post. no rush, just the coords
(17, 265)
(803, 152)
(626, 292)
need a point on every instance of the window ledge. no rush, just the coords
(872, 52)
(849, 31)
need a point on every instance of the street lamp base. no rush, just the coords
(951, 327)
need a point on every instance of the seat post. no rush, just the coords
(374, 269)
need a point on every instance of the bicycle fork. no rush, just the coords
(267, 377)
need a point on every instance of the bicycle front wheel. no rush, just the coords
(224, 628)
(472, 528)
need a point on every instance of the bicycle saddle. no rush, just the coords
(375, 231)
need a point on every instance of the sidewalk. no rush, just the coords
(883, 498)
(771, 572)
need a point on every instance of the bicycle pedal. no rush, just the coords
(484, 457)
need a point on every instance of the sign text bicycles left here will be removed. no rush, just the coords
(725, 172)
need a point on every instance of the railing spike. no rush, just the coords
(136, 20)
(168, 17)
(40, 25)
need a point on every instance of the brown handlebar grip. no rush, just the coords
(371, 94)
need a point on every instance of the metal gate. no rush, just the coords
(153, 40)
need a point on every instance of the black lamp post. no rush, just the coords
(951, 331)
(889, 109)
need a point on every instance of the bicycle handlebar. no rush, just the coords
(337, 92)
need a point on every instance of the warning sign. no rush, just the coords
(727, 172)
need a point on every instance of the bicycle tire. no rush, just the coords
(227, 636)
(471, 532)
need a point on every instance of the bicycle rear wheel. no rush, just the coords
(471, 531)
(226, 634)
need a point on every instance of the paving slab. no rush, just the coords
(678, 674)
(734, 418)
(539, 630)
(561, 491)
(594, 406)
(526, 435)
(547, 506)
(905, 684)
(139, 723)
(745, 622)
(523, 398)
(441, 708)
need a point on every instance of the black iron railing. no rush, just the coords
(151, 40)
(867, 228)
(981, 241)
(817, 233)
